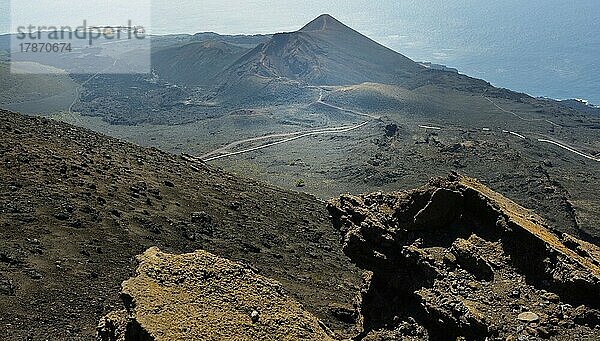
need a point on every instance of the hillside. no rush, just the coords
(43, 93)
(195, 63)
(538, 152)
(325, 52)
(77, 207)
(450, 259)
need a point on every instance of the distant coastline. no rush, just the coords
(579, 104)
(540, 92)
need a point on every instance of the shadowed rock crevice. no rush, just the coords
(455, 259)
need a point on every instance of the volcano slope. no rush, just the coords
(76, 208)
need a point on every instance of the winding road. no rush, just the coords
(519, 116)
(358, 113)
(430, 127)
(545, 140)
(564, 146)
(211, 156)
(80, 87)
(266, 137)
(332, 130)
(221, 152)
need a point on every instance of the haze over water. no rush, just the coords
(541, 47)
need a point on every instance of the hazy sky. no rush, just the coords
(514, 43)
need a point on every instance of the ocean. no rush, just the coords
(543, 48)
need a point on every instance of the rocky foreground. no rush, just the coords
(77, 207)
(446, 261)
(455, 259)
(244, 260)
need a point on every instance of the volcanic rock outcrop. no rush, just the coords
(455, 259)
(451, 260)
(199, 296)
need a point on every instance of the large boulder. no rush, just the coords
(199, 296)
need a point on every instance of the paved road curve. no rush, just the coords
(294, 135)
(544, 140)
(333, 130)
(266, 137)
